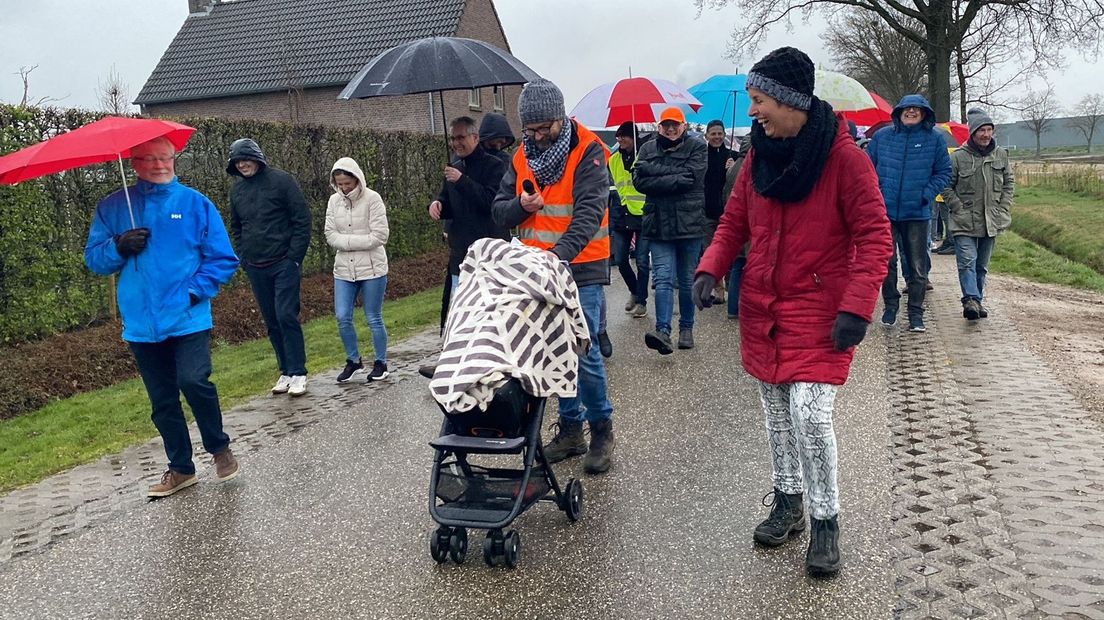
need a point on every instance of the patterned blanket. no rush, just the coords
(515, 314)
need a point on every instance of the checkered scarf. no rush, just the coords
(549, 166)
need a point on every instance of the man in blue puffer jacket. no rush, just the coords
(913, 167)
(170, 261)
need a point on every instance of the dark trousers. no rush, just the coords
(276, 288)
(912, 244)
(622, 240)
(169, 367)
(446, 299)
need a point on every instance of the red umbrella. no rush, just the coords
(109, 139)
(960, 132)
(881, 112)
(638, 99)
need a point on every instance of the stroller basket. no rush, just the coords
(488, 490)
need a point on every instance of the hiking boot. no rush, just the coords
(916, 324)
(597, 458)
(631, 304)
(604, 344)
(171, 482)
(928, 286)
(283, 384)
(640, 311)
(823, 557)
(971, 309)
(567, 442)
(889, 317)
(787, 518)
(686, 339)
(379, 371)
(427, 370)
(226, 466)
(659, 341)
(946, 251)
(351, 368)
(298, 385)
(982, 312)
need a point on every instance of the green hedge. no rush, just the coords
(44, 285)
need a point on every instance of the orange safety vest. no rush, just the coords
(545, 227)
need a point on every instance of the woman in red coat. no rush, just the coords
(808, 200)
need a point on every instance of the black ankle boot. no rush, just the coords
(823, 557)
(598, 457)
(787, 518)
(567, 442)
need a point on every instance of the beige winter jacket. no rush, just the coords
(356, 226)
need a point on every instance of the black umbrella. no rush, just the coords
(437, 64)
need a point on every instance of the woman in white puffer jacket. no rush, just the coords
(356, 227)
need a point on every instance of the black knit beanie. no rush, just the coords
(786, 75)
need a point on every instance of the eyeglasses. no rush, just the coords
(149, 159)
(669, 125)
(460, 138)
(543, 130)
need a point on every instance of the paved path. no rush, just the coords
(971, 486)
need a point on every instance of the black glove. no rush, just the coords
(702, 291)
(848, 331)
(132, 241)
(193, 299)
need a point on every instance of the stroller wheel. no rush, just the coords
(511, 547)
(573, 499)
(489, 552)
(439, 544)
(458, 545)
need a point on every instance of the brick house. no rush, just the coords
(287, 60)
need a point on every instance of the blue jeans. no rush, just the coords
(734, 276)
(619, 249)
(276, 289)
(371, 292)
(674, 262)
(592, 403)
(643, 269)
(169, 367)
(972, 255)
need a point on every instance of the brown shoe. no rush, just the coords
(226, 466)
(171, 482)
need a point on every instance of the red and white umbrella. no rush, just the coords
(639, 99)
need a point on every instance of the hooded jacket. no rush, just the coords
(496, 126)
(809, 261)
(356, 227)
(188, 252)
(269, 218)
(673, 183)
(911, 162)
(466, 204)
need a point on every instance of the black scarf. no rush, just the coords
(979, 149)
(664, 143)
(787, 169)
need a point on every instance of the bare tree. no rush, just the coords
(1089, 115)
(987, 69)
(114, 94)
(874, 54)
(1039, 26)
(24, 74)
(1039, 110)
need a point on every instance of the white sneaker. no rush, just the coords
(282, 385)
(298, 385)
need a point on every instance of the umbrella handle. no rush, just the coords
(126, 192)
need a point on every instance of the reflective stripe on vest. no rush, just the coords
(546, 227)
(623, 181)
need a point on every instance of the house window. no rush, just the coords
(474, 99)
(499, 98)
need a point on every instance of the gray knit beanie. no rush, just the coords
(540, 101)
(976, 119)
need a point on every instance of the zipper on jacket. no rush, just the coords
(901, 183)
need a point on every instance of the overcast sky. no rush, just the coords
(578, 44)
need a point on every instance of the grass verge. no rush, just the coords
(1017, 256)
(80, 429)
(1068, 224)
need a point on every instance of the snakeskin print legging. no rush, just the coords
(802, 441)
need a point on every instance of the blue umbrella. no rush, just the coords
(723, 97)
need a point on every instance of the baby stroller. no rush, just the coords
(465, 495)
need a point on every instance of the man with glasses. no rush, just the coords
(170, 262)
(470, 182)
(913, 168)
(556, 193)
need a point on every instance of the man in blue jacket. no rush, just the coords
(171, 260)
(913, 167)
